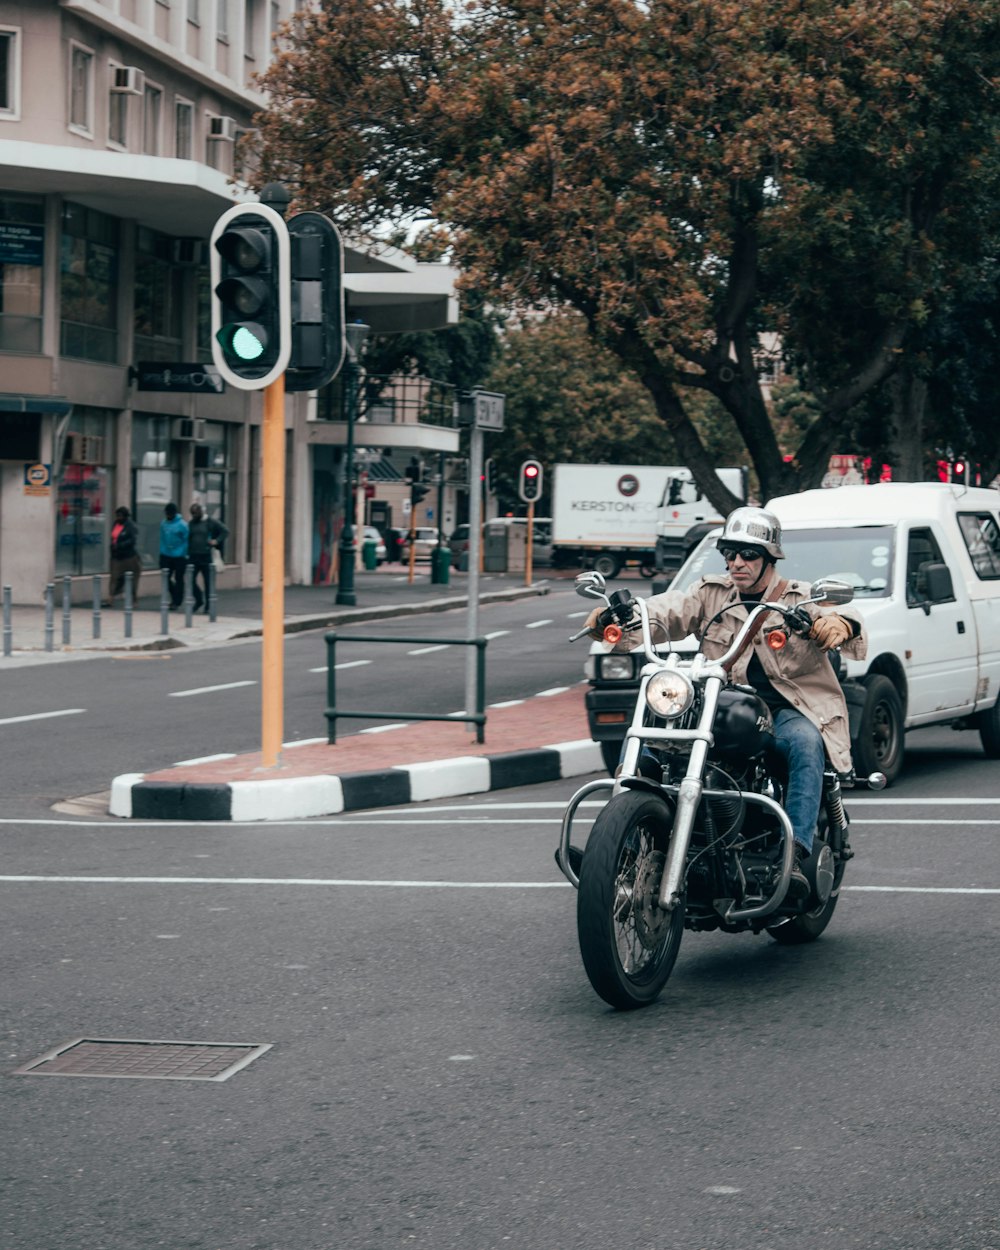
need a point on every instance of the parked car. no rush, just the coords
(371, 535)
(425, 539)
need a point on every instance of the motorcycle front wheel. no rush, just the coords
(628, 943)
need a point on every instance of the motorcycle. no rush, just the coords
(694, 834)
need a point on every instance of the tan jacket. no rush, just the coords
(800, 671)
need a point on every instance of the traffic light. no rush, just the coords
(317, 302)
(958, 472)
(417, 492)
(530, 484)
(251, 296)
(490, 476)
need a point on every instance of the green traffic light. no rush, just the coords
(246, 344)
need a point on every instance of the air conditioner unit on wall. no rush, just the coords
(127, 80)
(222, 129)
(187, 430)
(84, 449)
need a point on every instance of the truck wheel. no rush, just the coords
(647, 569)
(607, 565)
(989, 730)
(879, 745)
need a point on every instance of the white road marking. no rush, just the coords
(537, 624)
(229, 685)
(510, 703)
(325, 668)
(303, 742)
(406, 884)
(441, 646)
(381, 729)
(497, 633)
(544, 694)
(572, 616)
(68, 711)
(205, 759)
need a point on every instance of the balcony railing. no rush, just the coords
(395, 399)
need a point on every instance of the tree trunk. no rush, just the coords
(909, 399)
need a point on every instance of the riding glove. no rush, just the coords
(830, 631)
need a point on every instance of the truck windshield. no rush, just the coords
(861, 556)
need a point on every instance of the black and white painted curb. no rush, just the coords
(294, 798)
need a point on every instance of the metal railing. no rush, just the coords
(333, 713)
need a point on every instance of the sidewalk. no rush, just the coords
(539, 739)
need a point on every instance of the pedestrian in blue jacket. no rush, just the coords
(174, 551)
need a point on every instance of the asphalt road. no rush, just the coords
(441, 1074)
(68, 729)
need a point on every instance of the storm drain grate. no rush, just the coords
(144, 1061)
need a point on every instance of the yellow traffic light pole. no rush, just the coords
(273, 574)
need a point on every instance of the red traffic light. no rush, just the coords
(530, 484)
(531, 470)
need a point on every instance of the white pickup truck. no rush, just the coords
(924, 561)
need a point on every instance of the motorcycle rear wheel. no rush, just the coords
(628, 943)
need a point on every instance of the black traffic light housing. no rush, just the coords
(418, 491)
(251, 296)
(959, 472)
(490, 476)
(317, 302)
(530, 481)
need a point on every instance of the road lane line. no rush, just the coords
(68, 711)
(537, 624)
(545, 694)
(497, 633)
(325, 668)
(441, 646)
(205, 759)
(408, 884)
(229, 685)
(381, 729)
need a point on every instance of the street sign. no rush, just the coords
(193, 378)
(484, 410)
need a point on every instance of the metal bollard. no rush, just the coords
(213, 601)
(129, 579)
(67, 615)
(97, 607)
(188, 594)
(8, 631)
(164, 601)
(50, 601)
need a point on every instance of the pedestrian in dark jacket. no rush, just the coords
(205, 535)
(124, 556)
(174, 551)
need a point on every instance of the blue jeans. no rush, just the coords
(800, 745)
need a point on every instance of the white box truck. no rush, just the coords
(606, 516)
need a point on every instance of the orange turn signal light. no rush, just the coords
(776, 639)
(612, 634)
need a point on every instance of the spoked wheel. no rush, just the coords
(628, 943)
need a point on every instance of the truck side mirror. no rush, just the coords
(938, 583)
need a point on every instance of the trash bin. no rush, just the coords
(368, 554)
(441, 565)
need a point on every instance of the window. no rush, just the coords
(982, 538)
(88, 284)
(250, 29)
(212, 472)
(10, 74)
(22, 242)
(194, 12)
(152, 109)
(159, 299)
(922, 549)
(84, 498)
(184, 130)
(222, 20)
(117, 114)
(81, 90)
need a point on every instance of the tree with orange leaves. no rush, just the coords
(684, 173)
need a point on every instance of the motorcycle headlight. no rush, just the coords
(669, 695)
(616, 667)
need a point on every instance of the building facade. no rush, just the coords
(120, 123)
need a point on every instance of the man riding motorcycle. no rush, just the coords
(797, 682)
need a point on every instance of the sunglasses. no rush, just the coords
(746, 554)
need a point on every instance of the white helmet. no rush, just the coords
(754, 527)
